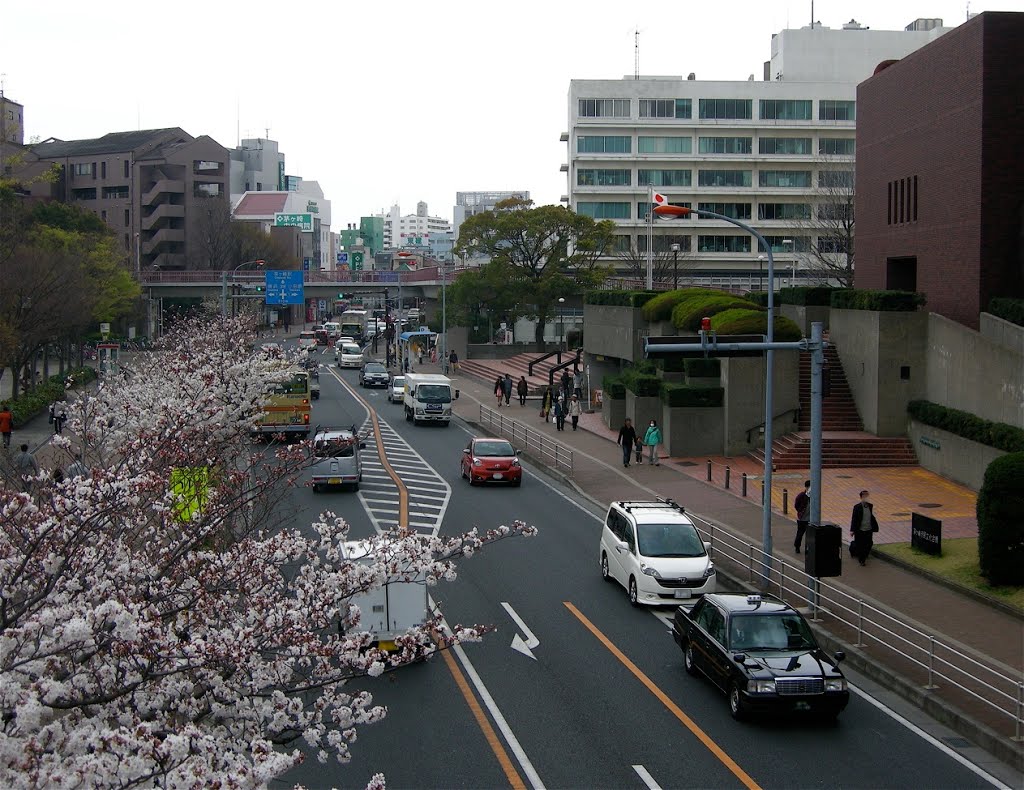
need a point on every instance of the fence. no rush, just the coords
(992, 687)
(556, 456)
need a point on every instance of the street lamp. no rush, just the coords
(561, 321)
(675, 266)
(224, 284)
(792, 270)
(760, 273)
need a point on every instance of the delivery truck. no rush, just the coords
(390, 611)
(428, 398)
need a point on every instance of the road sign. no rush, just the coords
(357, 261)
(323, 304)
(284, 287)
(342, 258)
(305, 264)
(303, 222)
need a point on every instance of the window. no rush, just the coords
(836, 212)
(835, 179)
(789, 243)
(620, 244)
(115, 193)
(666, 108)
(82, 169)
(205, 166)
(663, 243)
(202, 189)
(603, 178)
(664, 145)
(84, 194)
(664, 178)
(607, 210)
(784, 178)
(607, 144)
(126, 165)
(723, 178)
(786, 109)
(723, 243)
(733, 210)
(902, 204)
(784, 211)
(724, 108)
(103, 215)
(837, 146)
(831, 245)
(784, 146)
(645, 206)
(835, 110)
(103, 169)
(724, 145)
(604, 108)
(127, 217)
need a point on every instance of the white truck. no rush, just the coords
(428, 398)
(393, 609)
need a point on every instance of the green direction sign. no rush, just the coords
(303, 222)
(357, 261)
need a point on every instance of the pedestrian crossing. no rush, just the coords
(429, 493)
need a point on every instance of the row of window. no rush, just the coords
(778, 146)
(727, 243)
(722, 109)
(840, 212)
(94, 169)
(903, 200)
(827, 179)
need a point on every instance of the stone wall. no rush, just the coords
(950, 455)
(692, 431)
(613, 411)
(614, 331)
(1003, 333)
(743, 379)
(803, 315)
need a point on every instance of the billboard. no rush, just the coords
(303, 222)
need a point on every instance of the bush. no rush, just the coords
(805, 295)
(660, 307)
(683, 395)
(33, 403)
(614, 387)
(1000, 514)
(633, 299)
(703, 368)
(754, 322)
(1011, 310)
(643, 385)
(673, 364)
(999, 435)
(885, 301)
(688, 313)
(758, 297)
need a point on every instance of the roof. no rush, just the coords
(261, 204)
(737, 602)
(112, 143)
(645, 511)
(410, 335)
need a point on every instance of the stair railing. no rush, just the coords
(529, 367)
(760, 425)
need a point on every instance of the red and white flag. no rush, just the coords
(658, 200)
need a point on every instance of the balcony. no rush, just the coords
(163, 237)
(162, 187)
(163, 212)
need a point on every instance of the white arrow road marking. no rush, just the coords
(526, 648)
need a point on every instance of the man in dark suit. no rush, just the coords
(863, 525)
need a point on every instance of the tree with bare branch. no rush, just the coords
(828, 255)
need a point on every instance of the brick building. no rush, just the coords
(940, 170)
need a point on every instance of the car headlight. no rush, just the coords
(835, 684)
(710, 571)
(649, 571)
(477, 462)
(761, 686)
(515, 462)
(447, 412)
(419, 410)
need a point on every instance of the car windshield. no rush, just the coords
(669, 540)
(307, 336)
(493, 449)
(769, 631)
(335, 448)
(351, 350)
(434, 393)
(375, 367)
(398, 382)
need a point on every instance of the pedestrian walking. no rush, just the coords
(60, 416)
(577, 384)
(566, 384)
(639, 447)
(6, 425)
(522, 388)
(545, 404)
(560, 411)
(627, 439)
(26, 465)
(652, 438)
(802, 505)
(453, 360)
(499, 389)
(575, 410)
(506, 388)
(863, 526)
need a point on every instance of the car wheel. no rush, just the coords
(408, 416)
(736, 707)
(688, 659)
(316, 488)
(355, 486)
(518, 482)
(633, 597)
(606, 572)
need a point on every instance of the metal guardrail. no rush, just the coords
(974, 676)
(368, 276)
(558, 456)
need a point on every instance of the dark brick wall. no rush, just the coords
(946, 115)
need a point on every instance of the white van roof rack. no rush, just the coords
(661, 502)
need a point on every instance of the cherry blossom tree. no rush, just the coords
(149, 640)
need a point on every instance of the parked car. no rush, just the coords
(350, 356)
(396, 391)
(654, 551)
(373, 374)
(307, 339)
(761, 652)
(336, 459)
(488, 460)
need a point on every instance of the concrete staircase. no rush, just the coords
(487, 370)
(838, 410)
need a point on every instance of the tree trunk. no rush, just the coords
(538, 333)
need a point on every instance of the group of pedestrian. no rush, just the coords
(633, 443)
(503, 386)
(863, 524)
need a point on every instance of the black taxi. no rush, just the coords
(762, 654)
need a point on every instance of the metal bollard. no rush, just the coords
(709, 470)
(728, 472)
(743, 485)
(785, 501)
(860, 624)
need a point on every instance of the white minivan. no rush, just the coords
(655, 552)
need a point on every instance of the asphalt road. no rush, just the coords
(599, 697)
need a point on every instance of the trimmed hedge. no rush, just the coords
(754, 322)
(805, 295)
(613, 387)
(1000, 513)
(643, 384)
(33, 403)
(758, 297)
(999, 435)
(683, 395)
(660, 307)
(688, 314)
(634, 299)
(1011, 310)
(703, 368)
(885, 301)
(672, 364)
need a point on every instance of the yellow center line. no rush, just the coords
(674, 709)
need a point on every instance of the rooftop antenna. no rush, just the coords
(238, 122)
(3, 77)
(968, 19)
(636, 53)
(267, 130)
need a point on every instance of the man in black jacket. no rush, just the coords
(627, 438)
(863, 525)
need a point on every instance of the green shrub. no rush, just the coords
(635, 299)
(673, 364)
(683, 395)
(1011, 310)
(688, 313)
(613, 387)
(758, 297)
(738, 321)
(999, 435)
(660, 307)
(1000, 513)
(704, 368)
(31, 404)
(805, 295)
(643, 385)
(885, 301)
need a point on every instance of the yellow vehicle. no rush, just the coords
(287, 409)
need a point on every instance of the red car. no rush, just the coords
(491, 460)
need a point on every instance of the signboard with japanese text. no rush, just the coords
(926, 534)
(284, 287)
(303, 222)
(357, 261)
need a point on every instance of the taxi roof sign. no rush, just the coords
(753, 599)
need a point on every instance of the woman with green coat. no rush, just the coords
(652, 438)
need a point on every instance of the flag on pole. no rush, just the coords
(658, 200)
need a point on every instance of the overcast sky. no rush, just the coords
(386, 102)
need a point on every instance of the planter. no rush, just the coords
(692, 432)
(642, 409)
(700, 381)
(950, 455)
(613, 411)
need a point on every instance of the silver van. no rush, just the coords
(336, 460)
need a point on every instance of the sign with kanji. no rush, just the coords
(285, 287)
(303, 222)
(357, 261)
(342, 258)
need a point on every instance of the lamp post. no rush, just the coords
(760, 273)
(444, 319)
(561, 322)
(669, 211)
(224, 284)
(792, 271)
(675, 266)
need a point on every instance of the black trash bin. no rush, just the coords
(824, 556)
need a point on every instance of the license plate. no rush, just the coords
(497, 476)
(334, 481)
(433, 409)
(682, 593)
(295, 420)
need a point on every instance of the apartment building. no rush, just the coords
(152, 187)
(12, 121)
(257, 165)
(307, 212)
(777, 153)
(468, 204)
(411, 230)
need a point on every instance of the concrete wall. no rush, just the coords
(957, 458)
(1003, 333)
(503, 351)
(970, 372)
(803, 316)
(614, 331)
(458, 340)
(613, 411)
(693, 431)
(743, 379)
(641, 410)
(885, 361)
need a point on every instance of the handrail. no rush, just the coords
(575, 362)
(556, 456)
(796, 418)
(529, 367)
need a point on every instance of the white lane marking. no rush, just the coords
(930, 739)
(646, 777)
(526, 648)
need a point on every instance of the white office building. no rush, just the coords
(411, 230)
(768, 152)
(468, 204)
(257, 165)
